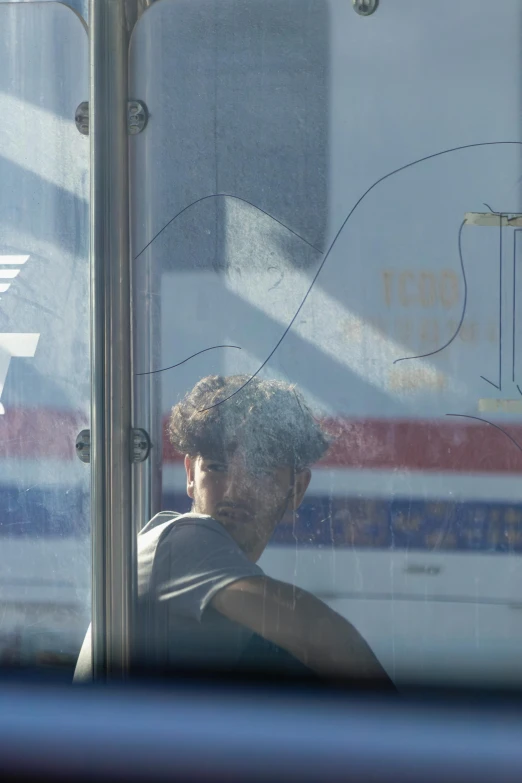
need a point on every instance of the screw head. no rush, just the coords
(81, 118)
(137, 117)
(365, 7)
(83, 445)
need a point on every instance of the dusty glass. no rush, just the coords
(44, 354)
(331, 200)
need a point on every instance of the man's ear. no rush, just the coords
(189, 469)
(301, 483)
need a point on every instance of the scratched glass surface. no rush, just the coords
(80, 7)
(44, 360)
(332, 200)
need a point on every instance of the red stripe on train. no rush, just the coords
(456, 445)
(39, 433)
(419, 445)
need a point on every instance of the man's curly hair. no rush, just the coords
(269, 420)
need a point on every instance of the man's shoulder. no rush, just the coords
(169, 537)
(186, 558)
(160, 519)
(166, 520)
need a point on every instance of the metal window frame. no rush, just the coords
(113, 547)
(122, 493)
(134, 9)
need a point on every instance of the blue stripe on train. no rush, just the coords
(32, 512)
(398, 524)
(321, 522)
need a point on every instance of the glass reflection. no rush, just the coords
(305, 219)
(44, 354)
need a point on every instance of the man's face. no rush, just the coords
(248, 502)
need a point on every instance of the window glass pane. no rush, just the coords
(318, 200)
(81, 7)
(44, 360)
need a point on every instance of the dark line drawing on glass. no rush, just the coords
(514, 360)
(237, 198)
(172, 366)
(333, 242)
(485, 421)
(464, 305)
(499, 384)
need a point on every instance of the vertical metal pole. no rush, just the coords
(147, 402)
(146, 312)
(114, 572)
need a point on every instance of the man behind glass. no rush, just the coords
(202, 600)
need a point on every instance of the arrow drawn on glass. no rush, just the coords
(332, 244)
(499, 384)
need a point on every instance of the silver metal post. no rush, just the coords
(113, 538)
(147, 355)
(147, 403)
